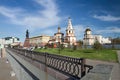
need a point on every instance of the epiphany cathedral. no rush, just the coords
(68, 39)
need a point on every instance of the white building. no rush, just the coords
(106, 40)
(59, 36)
(10, 40)
(70, 37)
(90, 39)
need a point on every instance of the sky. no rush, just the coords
(42, 17)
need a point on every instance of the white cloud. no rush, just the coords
(42, 19)
(107, 18)
(10, 13)
(109, 30)
(79, 31)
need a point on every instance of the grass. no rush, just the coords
(104, 55)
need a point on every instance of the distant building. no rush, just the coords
(10, 40)
(90, 39)
(70, 37)
(39, 40)
(4, 42)
(58, 37)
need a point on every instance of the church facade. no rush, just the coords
(68, 39)
(59, 36)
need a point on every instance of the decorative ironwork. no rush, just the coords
(74, 67)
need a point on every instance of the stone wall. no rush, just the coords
(26, 71)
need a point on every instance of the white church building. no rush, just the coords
(90, 39)
(70, 37)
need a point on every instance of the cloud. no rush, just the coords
(47, 17)
(10, 13)
(79, 31)
(107, 18)
(6, 12)
(109, 30)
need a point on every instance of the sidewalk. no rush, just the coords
(118, 53)
(5, 70)
(116, 68)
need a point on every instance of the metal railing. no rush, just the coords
(73, 67)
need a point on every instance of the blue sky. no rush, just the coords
(44, 16)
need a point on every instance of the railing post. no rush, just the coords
(83, 69)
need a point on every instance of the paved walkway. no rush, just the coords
(5, 70)
(116, 68)
(118, 52)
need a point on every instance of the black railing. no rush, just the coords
(74, 67)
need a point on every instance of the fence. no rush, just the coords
(73, 67)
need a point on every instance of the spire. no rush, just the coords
(69, 24)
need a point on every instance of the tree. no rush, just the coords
(97, 46)
(116, 40)
(74, 47)
(80, 43)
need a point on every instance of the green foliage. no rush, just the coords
(61, 46)
(116, 40)
(104, 54)
(97, 46)
(74, 47)
(80, 44)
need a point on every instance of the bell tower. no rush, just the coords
(88, 37)
(70, 35)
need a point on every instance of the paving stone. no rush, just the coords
(102, 68)
(5, 69)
